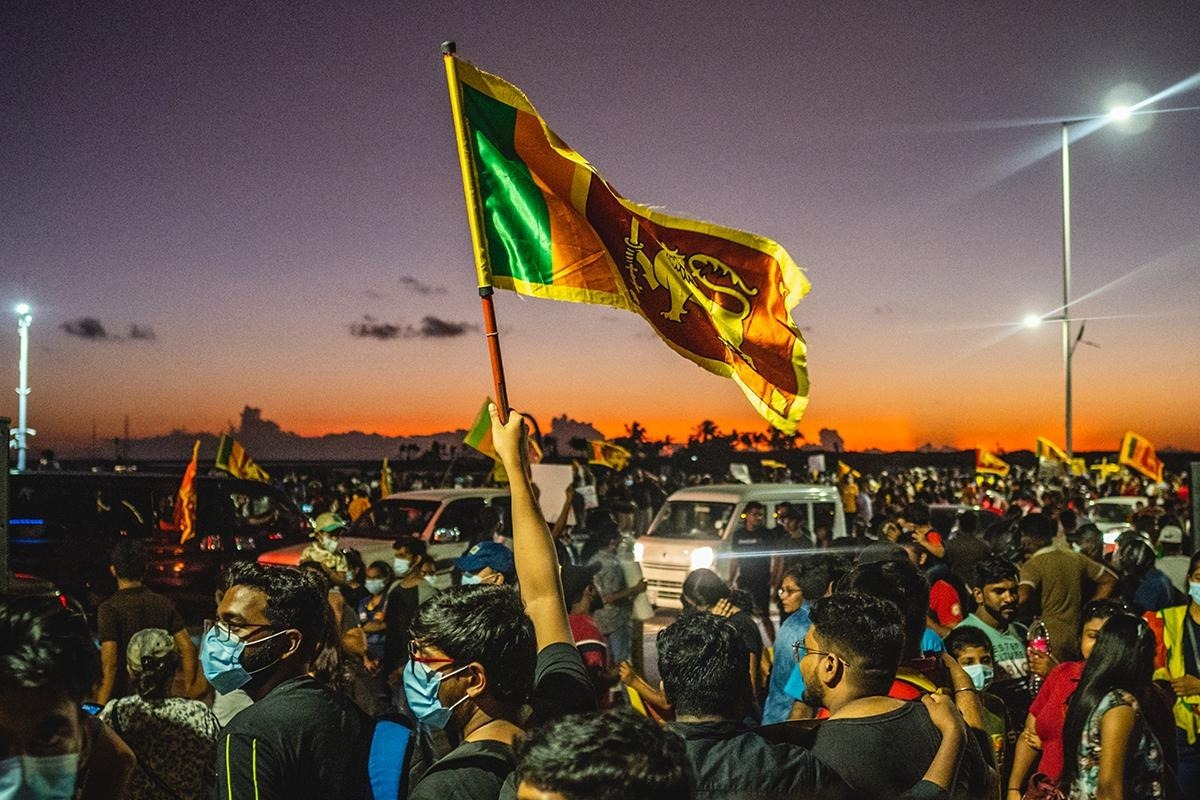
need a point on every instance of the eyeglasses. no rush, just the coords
(783, 591)
(412, 656)
(799, 651)
(226, 632)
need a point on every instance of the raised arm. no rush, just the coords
(533, 549)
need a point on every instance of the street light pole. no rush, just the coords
(24, 318)
(1066, 312)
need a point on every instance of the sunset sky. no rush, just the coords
(228, 188)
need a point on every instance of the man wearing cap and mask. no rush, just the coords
(1172, 561)
(487, 562)
(326, 548)
(300, 739)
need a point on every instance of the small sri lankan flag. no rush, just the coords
(554, 228)
(607, 454)
(232, 458)
(479, 437)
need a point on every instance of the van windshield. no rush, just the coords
(1111, 512)
(390, 519)
(692, 519)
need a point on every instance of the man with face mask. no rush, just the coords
(50, 749)
(300, 738)
(487, 562)
(326, 547)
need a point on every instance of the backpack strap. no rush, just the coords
(387, 761)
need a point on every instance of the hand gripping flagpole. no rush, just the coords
(475, 222)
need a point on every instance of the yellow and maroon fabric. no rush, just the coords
(1138, 454)
(555, 228)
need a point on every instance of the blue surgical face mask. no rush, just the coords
(981, 674)
(470, 580)
(1194, 591)
(39, 777)
(221, 659)
(421, 686)
(375, 585)
(401, 565)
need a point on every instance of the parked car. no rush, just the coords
(1114, 515)
(693, 528)
(448, 520)
(63, 525)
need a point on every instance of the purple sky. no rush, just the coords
(248, 181)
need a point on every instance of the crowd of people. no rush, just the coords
(1011, 657)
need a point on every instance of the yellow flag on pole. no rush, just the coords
(1050, 451)
(607, 454)
(1138, 454)
(989, 463)
(185, 501)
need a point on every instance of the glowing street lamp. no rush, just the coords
(24, 318)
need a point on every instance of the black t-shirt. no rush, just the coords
(732, 760)
(747, 629)
(125, 613)
(397, 616)
(885, 755)
(303, 740)
(471, 771)
(753, 550)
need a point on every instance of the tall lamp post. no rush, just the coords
(24, 318)
(1118, 114)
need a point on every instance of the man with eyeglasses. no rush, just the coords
(702, 661)
(879, 745)
(300, 738)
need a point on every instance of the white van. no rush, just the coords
(693, 528)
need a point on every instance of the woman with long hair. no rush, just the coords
(1043, 731)
(1110, 751)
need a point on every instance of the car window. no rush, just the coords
(824, 515)
(390, 519)
(1111, 512)
(461, 516)
(692, 519)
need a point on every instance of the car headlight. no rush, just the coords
(638, 551)
(702, 558)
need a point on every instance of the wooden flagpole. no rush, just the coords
(475, 222)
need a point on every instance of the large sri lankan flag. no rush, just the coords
(554, 228)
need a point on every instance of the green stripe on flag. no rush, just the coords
(480, 435)
(515, 215)
(224, 451)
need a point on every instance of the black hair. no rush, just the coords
(45, 643)
(129, 559)
(703, 588)
(753, 505)
(901, 583)
(967, 636)
(968, 523)
(383, 567)
(231, 575)
(1123, 660)
(1067, 518)
(703, 663)
(866, 632)
(484, 624)
(993, 569)
(617, 755)
(814, 576)
(296, 598)
(917, 513)
(1037, 526)
(1101, 609)
(354, 561)
(152, 679)
(413, 545)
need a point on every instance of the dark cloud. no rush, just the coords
(434, 328)
(371, 294)
(412, 284)
(431, 328)
(371, 328)
(142, 332)
(884, 310)
(85, 328)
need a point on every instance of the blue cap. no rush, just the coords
(488, 554)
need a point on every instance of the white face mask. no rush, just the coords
(401, 565)
(38, 777)
(329, 544)
(431, 580)
(1194, 591)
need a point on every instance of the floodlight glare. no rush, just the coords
(1120, 113)
(22, 309)
(1031, 321)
